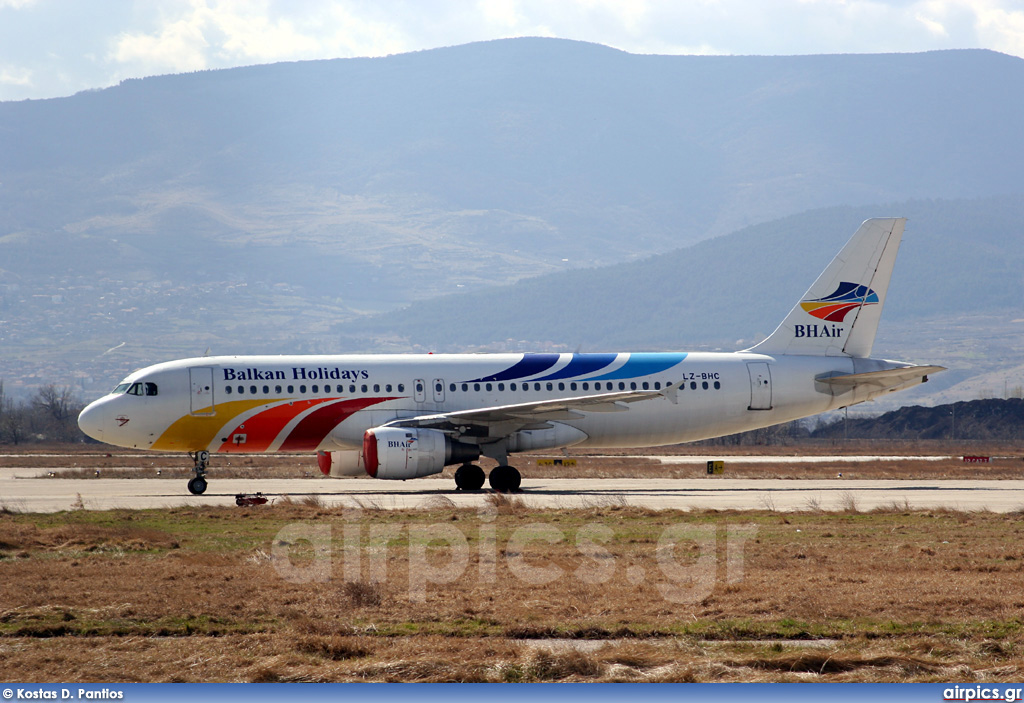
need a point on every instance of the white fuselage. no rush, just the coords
(327, 403)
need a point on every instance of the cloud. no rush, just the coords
(54, 47)
(14, 76)
(218, 33)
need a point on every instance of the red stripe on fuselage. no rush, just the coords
(262, 429)
(313, 428)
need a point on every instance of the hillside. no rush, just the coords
(991, 419)
(256, 209)
(957, 258)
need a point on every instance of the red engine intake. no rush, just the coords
(370, 453)
(323, 460)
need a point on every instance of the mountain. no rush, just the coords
(957, 258)
(991, 419)
(954, 299)
(255, 209)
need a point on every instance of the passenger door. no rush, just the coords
(201, 397)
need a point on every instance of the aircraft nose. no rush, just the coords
(93, 420)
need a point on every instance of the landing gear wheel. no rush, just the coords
(197, 485)
(469, 477)
(505, 479)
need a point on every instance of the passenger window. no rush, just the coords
(316, 388)
(536, 386)
(387, 388)
(352, 388)
(277, 389)
(476, 386)
(572, 386)
(266, 390)
(632, 386)
(693, 385)
(718, 385)
(302, 388)
(586, 386)
(364, 388)
(252, 389)
(241, 390)
(376, 388)
(501, 386)
(646, 385)
(419, 387)
(561, 386)
(705, 385)
(401, 388)
(622, 386)
(291, 389)
(489, 387)
(657, 385)
(512, 386)
(451, 387)
(227, 389)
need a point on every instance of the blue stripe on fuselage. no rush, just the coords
(529, 365)
(580, 365)
(643, 364)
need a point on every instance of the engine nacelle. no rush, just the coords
(400, 453)
(344, 463)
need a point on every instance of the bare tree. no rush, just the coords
(55, 409)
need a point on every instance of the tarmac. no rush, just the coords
(22, 493)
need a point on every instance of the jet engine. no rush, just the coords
(401, 453)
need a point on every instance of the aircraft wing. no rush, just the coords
(501, 420)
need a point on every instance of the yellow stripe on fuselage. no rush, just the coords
(195, 432)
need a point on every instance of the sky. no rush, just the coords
(53, 48)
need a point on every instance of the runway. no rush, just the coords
(41, 494)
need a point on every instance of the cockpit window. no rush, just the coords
(121, 388)
(135, 389)
(150, 388)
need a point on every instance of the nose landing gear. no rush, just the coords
(197, 485)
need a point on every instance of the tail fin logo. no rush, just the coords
(836, 306)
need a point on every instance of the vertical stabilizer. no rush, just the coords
(838, 315)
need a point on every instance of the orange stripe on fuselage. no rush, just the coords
(194, 432)
(314, 428)
(262, 429)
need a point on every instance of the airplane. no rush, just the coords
(404, 416)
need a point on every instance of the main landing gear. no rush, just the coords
(197, 485)
(503, 479)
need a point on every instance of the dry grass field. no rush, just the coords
(299, 592)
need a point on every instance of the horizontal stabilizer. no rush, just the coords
(855, 388)
(880, 380)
